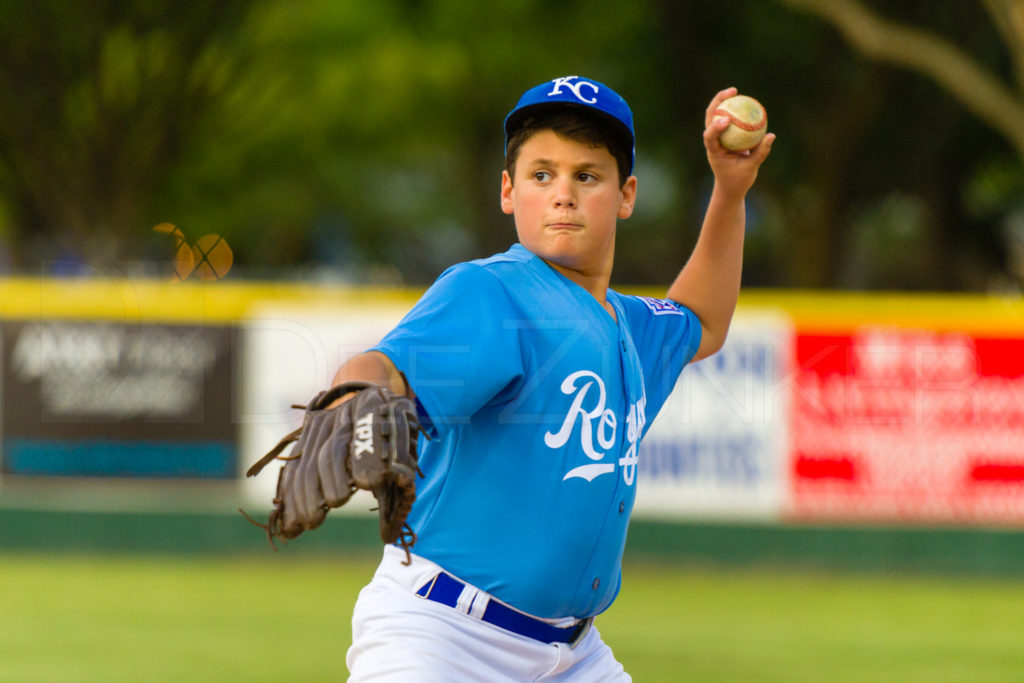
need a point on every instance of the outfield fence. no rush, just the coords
(878, 419)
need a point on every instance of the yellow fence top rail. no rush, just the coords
(169, 301)
(836, 311)
(223, 301)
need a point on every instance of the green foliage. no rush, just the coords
(99, 96)
(379, 125)
(363, 140)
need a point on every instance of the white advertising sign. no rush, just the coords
(718, 447)
(290, 355)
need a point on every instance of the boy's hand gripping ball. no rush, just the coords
(748, 123)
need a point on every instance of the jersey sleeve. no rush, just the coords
(666, 335)
(455, 348)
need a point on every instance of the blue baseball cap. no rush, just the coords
(574, 91)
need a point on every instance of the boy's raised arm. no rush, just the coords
(709, 283)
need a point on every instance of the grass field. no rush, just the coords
(278, 618)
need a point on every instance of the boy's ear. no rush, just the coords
(507, 206)
(628, 198)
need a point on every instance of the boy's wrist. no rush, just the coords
(723, 192)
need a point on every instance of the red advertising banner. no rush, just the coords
(892, 424)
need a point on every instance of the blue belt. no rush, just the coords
(446, 589)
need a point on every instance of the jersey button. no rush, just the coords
(596, 584)
(622, 506)
(623, 342)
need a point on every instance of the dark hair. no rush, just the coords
(576, 124)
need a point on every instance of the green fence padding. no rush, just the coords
(898, 549)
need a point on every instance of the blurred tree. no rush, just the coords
(98, 98)
(989, 86)
(363, 140)
(380, 125)
(843, 147)
(999, 104)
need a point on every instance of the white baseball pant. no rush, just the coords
(398, 636)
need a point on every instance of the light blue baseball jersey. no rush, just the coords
(535, 400)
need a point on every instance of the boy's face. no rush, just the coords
(566, 200)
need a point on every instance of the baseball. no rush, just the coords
(748, 123)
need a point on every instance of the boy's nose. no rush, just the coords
(564, 195)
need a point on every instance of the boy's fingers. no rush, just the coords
(719, 97)
(764, 149)
(713, 130)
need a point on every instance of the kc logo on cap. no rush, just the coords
(573, 91)
(576, 88)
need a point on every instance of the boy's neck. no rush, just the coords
(595, 283)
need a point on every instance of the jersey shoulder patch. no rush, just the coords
(663, 306)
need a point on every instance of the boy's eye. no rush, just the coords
(585, 177)
(541, 176)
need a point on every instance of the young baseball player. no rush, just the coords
(535, 383)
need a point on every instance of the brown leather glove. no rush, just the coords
(367, 442)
